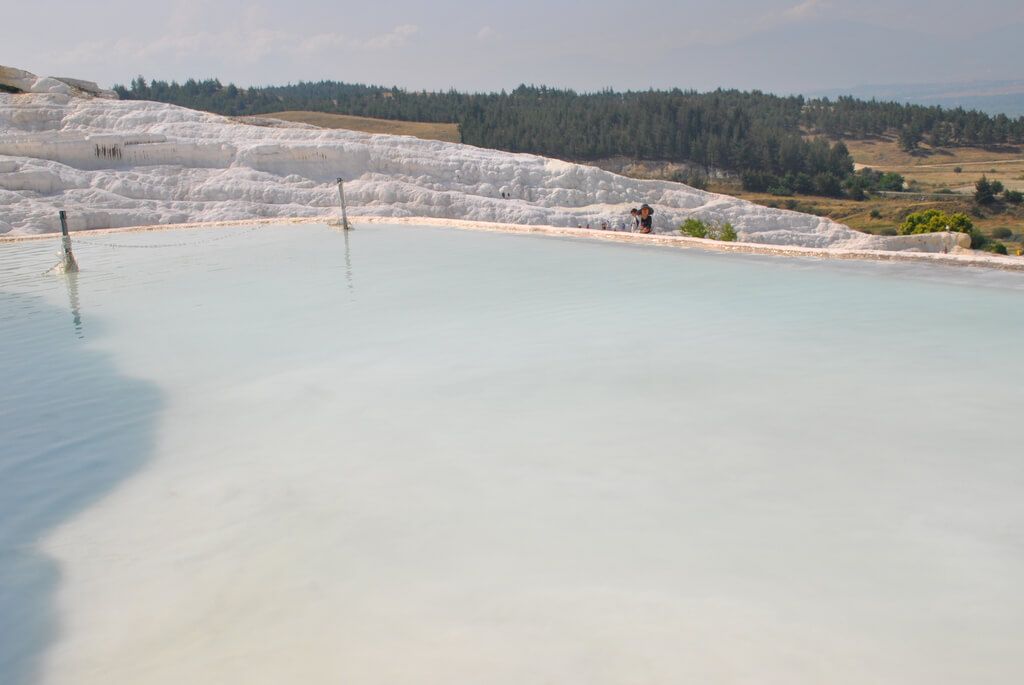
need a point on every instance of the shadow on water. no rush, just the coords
(71, 428)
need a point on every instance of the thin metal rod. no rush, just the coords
(344, 213)
(70, 263)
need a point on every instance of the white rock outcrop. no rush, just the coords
(27, 82)
(18, 79)
(113, 163)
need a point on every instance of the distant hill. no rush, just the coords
(991, 97)
(757, 136)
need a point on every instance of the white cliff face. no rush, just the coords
(116, 163)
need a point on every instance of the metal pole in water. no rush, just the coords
(70, 264)
(344, 214)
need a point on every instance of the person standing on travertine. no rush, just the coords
(646, 219)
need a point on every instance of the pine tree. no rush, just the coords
(983, 193)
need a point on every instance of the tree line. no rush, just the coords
(756, 135)
(938, 126)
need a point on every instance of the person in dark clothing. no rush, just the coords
(646, 219)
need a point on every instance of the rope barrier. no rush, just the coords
(89, 241)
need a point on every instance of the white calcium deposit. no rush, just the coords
(113, 164)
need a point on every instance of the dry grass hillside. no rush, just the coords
(875, 215)
(937, 168)
(932, 173)
(428, 131)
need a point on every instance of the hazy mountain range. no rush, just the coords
(992, 97)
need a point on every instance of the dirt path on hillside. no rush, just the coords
(956, 164)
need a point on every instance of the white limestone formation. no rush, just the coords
(113, 163)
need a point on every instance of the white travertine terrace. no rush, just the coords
(113, 163)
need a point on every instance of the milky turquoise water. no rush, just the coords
(288, 454)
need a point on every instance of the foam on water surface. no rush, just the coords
(420, 455)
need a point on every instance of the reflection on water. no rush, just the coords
(348, 264)
(63, 445)
(71, 280)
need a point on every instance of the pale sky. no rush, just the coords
(773, 45)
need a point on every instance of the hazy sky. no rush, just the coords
(775, 45)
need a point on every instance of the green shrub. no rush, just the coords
(802, 183)
(998, 248)
(944, 191)
(695, 228)
(693, 179)
(757, 182)
(934, 221)
(876, 214)
(1002, 233)
(891, 181)
(958, 170)
(828, 184)
(983, 193)
(888, 231)
(909, 138)
(1013, 197)
(698, 181)
(857, 193)
(780, 191)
